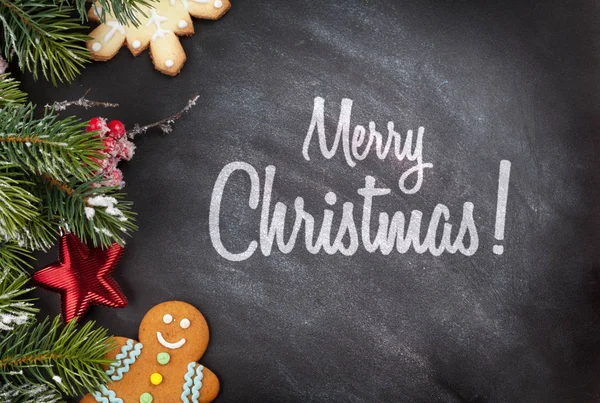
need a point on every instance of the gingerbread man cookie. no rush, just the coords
(164, 20)
(162, 367)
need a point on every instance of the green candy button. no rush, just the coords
(163, 358)
(146, 398)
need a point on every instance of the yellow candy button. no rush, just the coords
(156, 378)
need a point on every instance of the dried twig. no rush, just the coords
(83, 102)
(164, 124)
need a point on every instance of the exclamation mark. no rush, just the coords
(503, 181)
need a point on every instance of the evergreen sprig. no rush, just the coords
(9, 91)
(17, 205)
(67, 359)
(48, 145)
(72, 204)
(37, 234)
(44, 38)
(24, 390)
(15, 260)
(15, 308)
(48, 181)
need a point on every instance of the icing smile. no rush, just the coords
(172, 346)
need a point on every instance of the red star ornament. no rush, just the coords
(82, 277)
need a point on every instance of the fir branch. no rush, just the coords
(94, 213)
(67, 358)
(17, 205)
(9, 91)
(15, 310)
(15, 260)
(164, 124)
(48, 145)
(28, 391)
(44, 37)
(38, 234)
(83, 102)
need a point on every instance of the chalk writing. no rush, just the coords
(436, 232)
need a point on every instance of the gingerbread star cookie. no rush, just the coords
(164, 20)
(163, 366)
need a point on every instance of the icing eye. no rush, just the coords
(167, 318)
(185, 323)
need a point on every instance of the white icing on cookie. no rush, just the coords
(169, 63)
(184, 323)
(157, 20)
(172, 346)
(168, 318)
(216, 3)
(136, 44)
(96, 46)
(114, 27)
(182, 24)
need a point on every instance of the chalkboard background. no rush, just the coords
(489, 80)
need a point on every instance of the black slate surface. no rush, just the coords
(489, 80)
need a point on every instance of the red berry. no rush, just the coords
(110, 145)
(116, 175)
(108, 165)
(97, 124)
(114, 178)
(116, 129)
(125, 149)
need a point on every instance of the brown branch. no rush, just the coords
(61, 185)
(164, 124)
(32, 140)
(22, 17)
(11, 361)
(83, 102)
(64, 187)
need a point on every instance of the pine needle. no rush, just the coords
(67, 358)
(43, 37)
(49, 145)
(9, 91)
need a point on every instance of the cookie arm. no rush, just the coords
(201, 384)
(119, 344)
(210, 386)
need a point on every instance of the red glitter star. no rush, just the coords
(82, 277)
